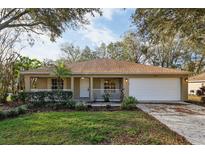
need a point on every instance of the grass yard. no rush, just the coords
(118, 127)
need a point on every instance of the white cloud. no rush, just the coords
(43, 48)
(98, 35)
(108, 13)
(91, 35)
(42, 51)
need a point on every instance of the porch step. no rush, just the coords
(116, 104)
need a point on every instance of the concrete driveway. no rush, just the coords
(186, 119)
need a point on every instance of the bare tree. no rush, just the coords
(70, 53)
(8, 56)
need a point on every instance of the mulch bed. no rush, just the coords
(10, 105)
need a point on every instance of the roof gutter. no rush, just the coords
(24, 73)
(96, 73)
(195, 81)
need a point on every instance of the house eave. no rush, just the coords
(196, 81)
(36, 73)
(96, 73)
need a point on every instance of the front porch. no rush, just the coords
(88, 89)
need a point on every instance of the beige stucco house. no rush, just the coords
(90, 80)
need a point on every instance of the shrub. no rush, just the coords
(22, 109)
(2, 115)
(53, 99)
(70, 104)
(22, 96)
(106, 97)
(129, 103)
(36, 104)
(14, 97)
(48, 96)
(54, 106)
(80, 106)
(89, 106)
(12, 113)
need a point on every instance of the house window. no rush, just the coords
(34, 83)
(57, 84)
(109, 85)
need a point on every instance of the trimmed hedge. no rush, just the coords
(50, 99)
(20, 96)
(48, 96)
(43, 96)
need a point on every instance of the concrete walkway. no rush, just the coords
(186, 119)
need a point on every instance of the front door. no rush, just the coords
(84, 87)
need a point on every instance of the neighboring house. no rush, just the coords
(91, 79)
(195, 83)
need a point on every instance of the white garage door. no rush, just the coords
(146, 89)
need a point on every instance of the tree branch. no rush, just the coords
(6, 23)
(4, 17)
(23, 25)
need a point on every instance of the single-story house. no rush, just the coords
(90, 80)
(195, 83)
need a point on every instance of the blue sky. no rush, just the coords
(107, 28)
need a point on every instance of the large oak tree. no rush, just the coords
(17, 21)
(159, 26)
(44, 20)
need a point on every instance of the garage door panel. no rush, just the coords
(155, 88)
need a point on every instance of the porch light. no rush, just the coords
(106, 81)
(82, 78)
(126, 80)
(186, 79)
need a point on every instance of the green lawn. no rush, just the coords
(118, 127)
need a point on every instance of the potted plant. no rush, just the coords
(106, 97)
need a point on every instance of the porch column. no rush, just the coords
(72, 84)
(27, 83)
(65, 83)
(184, 88)
(91, 88)
(126, 86)
(48, 83)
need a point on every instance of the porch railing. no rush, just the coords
(113, 94)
